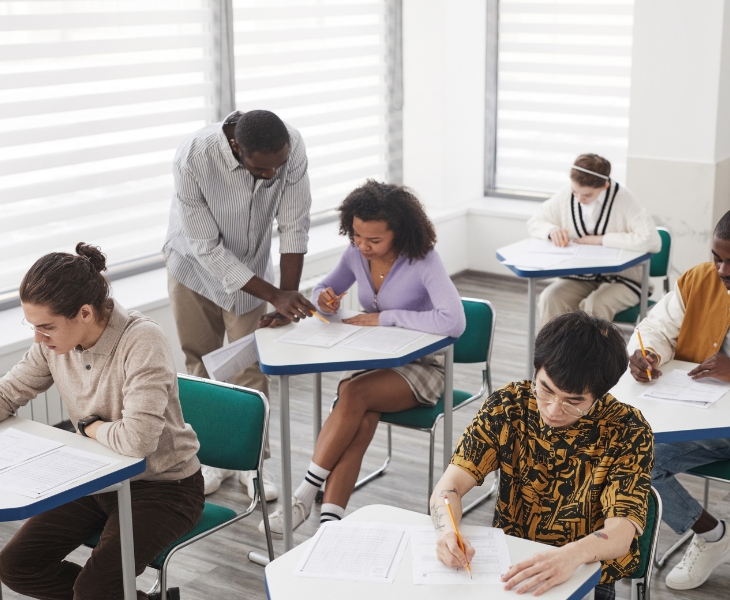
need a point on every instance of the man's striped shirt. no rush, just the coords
(219, 234)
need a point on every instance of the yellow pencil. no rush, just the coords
(643, 352)
(320, 317)
(458, 535)
(338, 297)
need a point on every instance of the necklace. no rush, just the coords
(380, 271)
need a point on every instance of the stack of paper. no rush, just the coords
(224, 363)
(680, 388)
(384, 339)
(31, 465)
(313, 332)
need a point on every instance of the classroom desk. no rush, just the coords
(281, 584)
(572, 266)
(676, 422)
(14, 507)
(283, 360)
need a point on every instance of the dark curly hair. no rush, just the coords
(414, 235)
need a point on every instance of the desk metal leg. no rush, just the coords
(531, 311)
(448, 405)
(317, 398)
(285, 462)
(644, 302)
(126, 535)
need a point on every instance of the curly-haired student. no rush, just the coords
(401, 282)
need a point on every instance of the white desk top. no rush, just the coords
(676, 422)
(14, 506)
(280, 358)
(571, 266)
(281, 584)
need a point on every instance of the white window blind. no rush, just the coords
(95, 96)
(321, 66)
(563, 88)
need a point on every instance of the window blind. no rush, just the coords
(321, 66)
(563, 89)
(95, 96)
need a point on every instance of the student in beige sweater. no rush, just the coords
(593, 209)
(115, 372)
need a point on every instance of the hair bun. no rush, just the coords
(93, 254)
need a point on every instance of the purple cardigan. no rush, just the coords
(417, 296)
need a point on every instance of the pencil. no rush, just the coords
(643, 352)
(320, 317)
(338, 297)
(458, 535)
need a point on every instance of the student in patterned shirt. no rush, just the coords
(574, 462)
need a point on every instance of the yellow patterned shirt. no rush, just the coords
(559, 485)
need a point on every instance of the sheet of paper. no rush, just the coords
(50, 471)
(224, 363)
(536, 260)
(384, 339)
(547, 247)
(17, 447)
(597, 252)
(313, 332)
(490, 562)
(678, 386)
(354, 551)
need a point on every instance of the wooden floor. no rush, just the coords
(217, 568)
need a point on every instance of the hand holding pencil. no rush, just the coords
(458, 535)
(643, 363)
(329, 301)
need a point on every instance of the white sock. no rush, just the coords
(714, 535)
(331, 512)
(313, 480)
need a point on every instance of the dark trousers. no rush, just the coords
(605, 591)
(33, 564)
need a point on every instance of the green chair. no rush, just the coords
(231, 423)
(659, 267)
(716, 471)
(641, 578)
(474, 346)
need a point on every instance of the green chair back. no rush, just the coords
(659, 264)
(717, 470)
(229, 422)
(475, 343)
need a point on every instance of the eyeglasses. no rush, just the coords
(566, 407)
(34, 329)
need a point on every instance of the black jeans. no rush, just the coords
(33, 564)
(605, 591)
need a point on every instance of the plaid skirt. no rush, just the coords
(424, 376)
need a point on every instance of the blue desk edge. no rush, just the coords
(540, 273)
(354, 365)
(56, 500)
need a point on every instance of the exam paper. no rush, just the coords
(224, 363)
(547, 247)
(50, 471)
(313, 332)
(597, 252)
(16, 447)
(354, 551)
(384, 339)
(678, 386)
(490, 562)
(536, 260)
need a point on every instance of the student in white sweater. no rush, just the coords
(594, 210)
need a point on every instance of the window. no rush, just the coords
(321, 65)
(563, 81)
(94, 98)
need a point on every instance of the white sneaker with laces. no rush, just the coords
(276, 519)
(699, 561)
(213, 478)
(247, 479)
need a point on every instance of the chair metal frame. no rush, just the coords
(485, 387)
(259, 495)
(641, 587)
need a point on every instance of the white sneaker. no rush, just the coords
(214, 477)
(299, 514)
(699, 561)
(247, 479)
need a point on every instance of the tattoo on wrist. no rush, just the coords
(436, 517)
(443, 493)
(600, 534)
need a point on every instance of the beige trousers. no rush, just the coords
(201, 325)
(600, 299)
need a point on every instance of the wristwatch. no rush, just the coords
(85, 422)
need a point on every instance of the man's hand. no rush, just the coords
(542, 571)
(717, 366)
(593, 240)
(273, 320)
(638, 366)
(292, 305)
(449, 553)
(560, 237)
(364, 320)
(328, 301)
